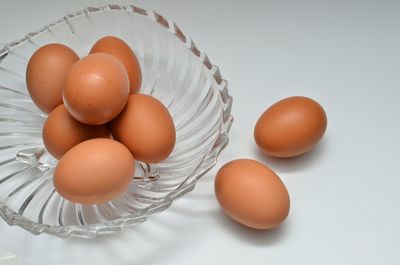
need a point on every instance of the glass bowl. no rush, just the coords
(174, 70)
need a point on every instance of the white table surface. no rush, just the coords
(345, 194)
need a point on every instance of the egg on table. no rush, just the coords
(290, 127)
(252, 194)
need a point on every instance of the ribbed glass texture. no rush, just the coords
(174, 70)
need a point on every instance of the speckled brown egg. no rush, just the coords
(290, 127)
(61, 132)
(252, 194)
(121, 50)
(146, 128)
(96, 89)
(94, 171)
(45, 74)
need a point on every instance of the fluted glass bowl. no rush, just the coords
(174, 70)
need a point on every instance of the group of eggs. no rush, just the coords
(252, 193)
(98, 123)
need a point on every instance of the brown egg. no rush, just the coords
(146, 128)
(121, 50)
(94, 171)
(96, 89)
(45, 74)
(290, 127)
(252, 194)
(61, 132)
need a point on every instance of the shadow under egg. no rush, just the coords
(292, 164)
(255, 237)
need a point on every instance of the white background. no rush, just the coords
(345, 194)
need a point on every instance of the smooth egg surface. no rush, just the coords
(46, 72)
(94, 171)
(146, 128)
(96, 89)
(252, 194)
(61, 132)
(290, 127)
(121, 50)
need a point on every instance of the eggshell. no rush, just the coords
(94, 171)
(45, 74)
(61, 132)
(146, 128)
(121, 50)
(96, 89)
(252, 194)
(290, 127)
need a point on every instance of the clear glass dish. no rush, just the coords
(174, 70)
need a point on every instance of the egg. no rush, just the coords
(121, 50)
(61, 132)
(45, 74)
(290, 127)
(94, 171)
(252, 194)
(146, 128)
(96, 89)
